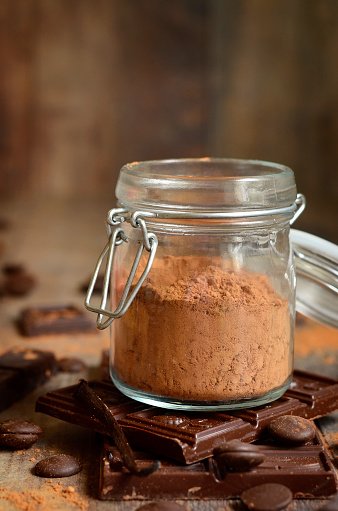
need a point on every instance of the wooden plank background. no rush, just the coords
(88, 85)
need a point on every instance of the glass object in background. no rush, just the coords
(205, 321)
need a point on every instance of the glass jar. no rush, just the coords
(201, 281)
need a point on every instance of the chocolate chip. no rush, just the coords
(18, 434)
(71, 365)
(236, 456)
(59, 465)
(161, 506)
(291, 429)
(267, 497)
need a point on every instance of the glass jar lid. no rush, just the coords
(205, 184)
(317, 277)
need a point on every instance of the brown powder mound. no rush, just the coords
(208, 334)
(218, 290)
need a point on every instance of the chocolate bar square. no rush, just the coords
(21, 371)
(58, 319)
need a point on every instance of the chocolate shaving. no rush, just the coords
(95, 404)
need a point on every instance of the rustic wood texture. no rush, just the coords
(104, 83)
(87, 86)
(59, 241)
(274, 94)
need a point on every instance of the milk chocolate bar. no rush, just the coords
(54, 320)
(307, 471)
(21, 371)
(190, 437)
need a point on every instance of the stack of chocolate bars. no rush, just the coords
(189, 446)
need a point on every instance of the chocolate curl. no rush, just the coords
(89, 398)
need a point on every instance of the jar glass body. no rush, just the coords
(213, 323)
(211, 327)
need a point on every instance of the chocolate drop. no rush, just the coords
(267, 497)
(291, 429)
(59, 465)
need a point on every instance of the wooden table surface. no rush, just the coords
(59, 241)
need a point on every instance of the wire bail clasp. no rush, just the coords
(300, 203)
(117, 236)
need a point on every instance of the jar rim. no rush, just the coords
(210, 184)
(135, 167)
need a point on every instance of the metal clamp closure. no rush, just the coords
(300, 205)
(116, 237)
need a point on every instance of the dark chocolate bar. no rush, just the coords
(307, 471)
(189, 437)
(62, 405)
(21, 371)
(58, 319)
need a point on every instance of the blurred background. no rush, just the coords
(87, 85)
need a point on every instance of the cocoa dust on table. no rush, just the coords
(44, 499)
(202, 332)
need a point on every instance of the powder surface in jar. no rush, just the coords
(201, 332)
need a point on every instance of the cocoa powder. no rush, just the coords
(197, 331)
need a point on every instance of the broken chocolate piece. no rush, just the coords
(54, 320)
(189, 437)
(307, 471)
(96, 406)
(21, 371)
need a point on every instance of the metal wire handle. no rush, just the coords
(117, 236)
